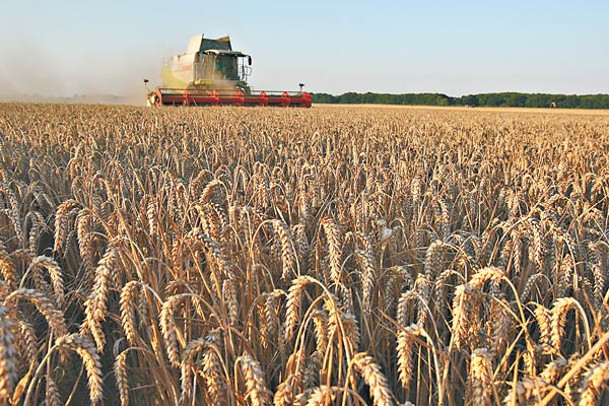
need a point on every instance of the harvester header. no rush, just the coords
(212, 73)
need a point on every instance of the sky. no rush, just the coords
(64, 48)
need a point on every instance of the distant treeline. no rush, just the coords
(589, 101)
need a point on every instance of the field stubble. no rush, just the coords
(332, 255)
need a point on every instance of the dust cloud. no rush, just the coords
(31, 74)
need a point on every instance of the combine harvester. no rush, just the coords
(210, 73)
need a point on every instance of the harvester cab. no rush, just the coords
(211, 73)
(218, 69)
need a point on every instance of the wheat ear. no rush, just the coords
(8, 355)
(53, 316)
(593, 384)
(120, 374)
(257, 390)
(88, 353)
(374, 378)
(480, 377)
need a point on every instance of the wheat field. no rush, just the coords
(350, 256)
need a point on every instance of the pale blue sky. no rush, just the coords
(453, 47)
